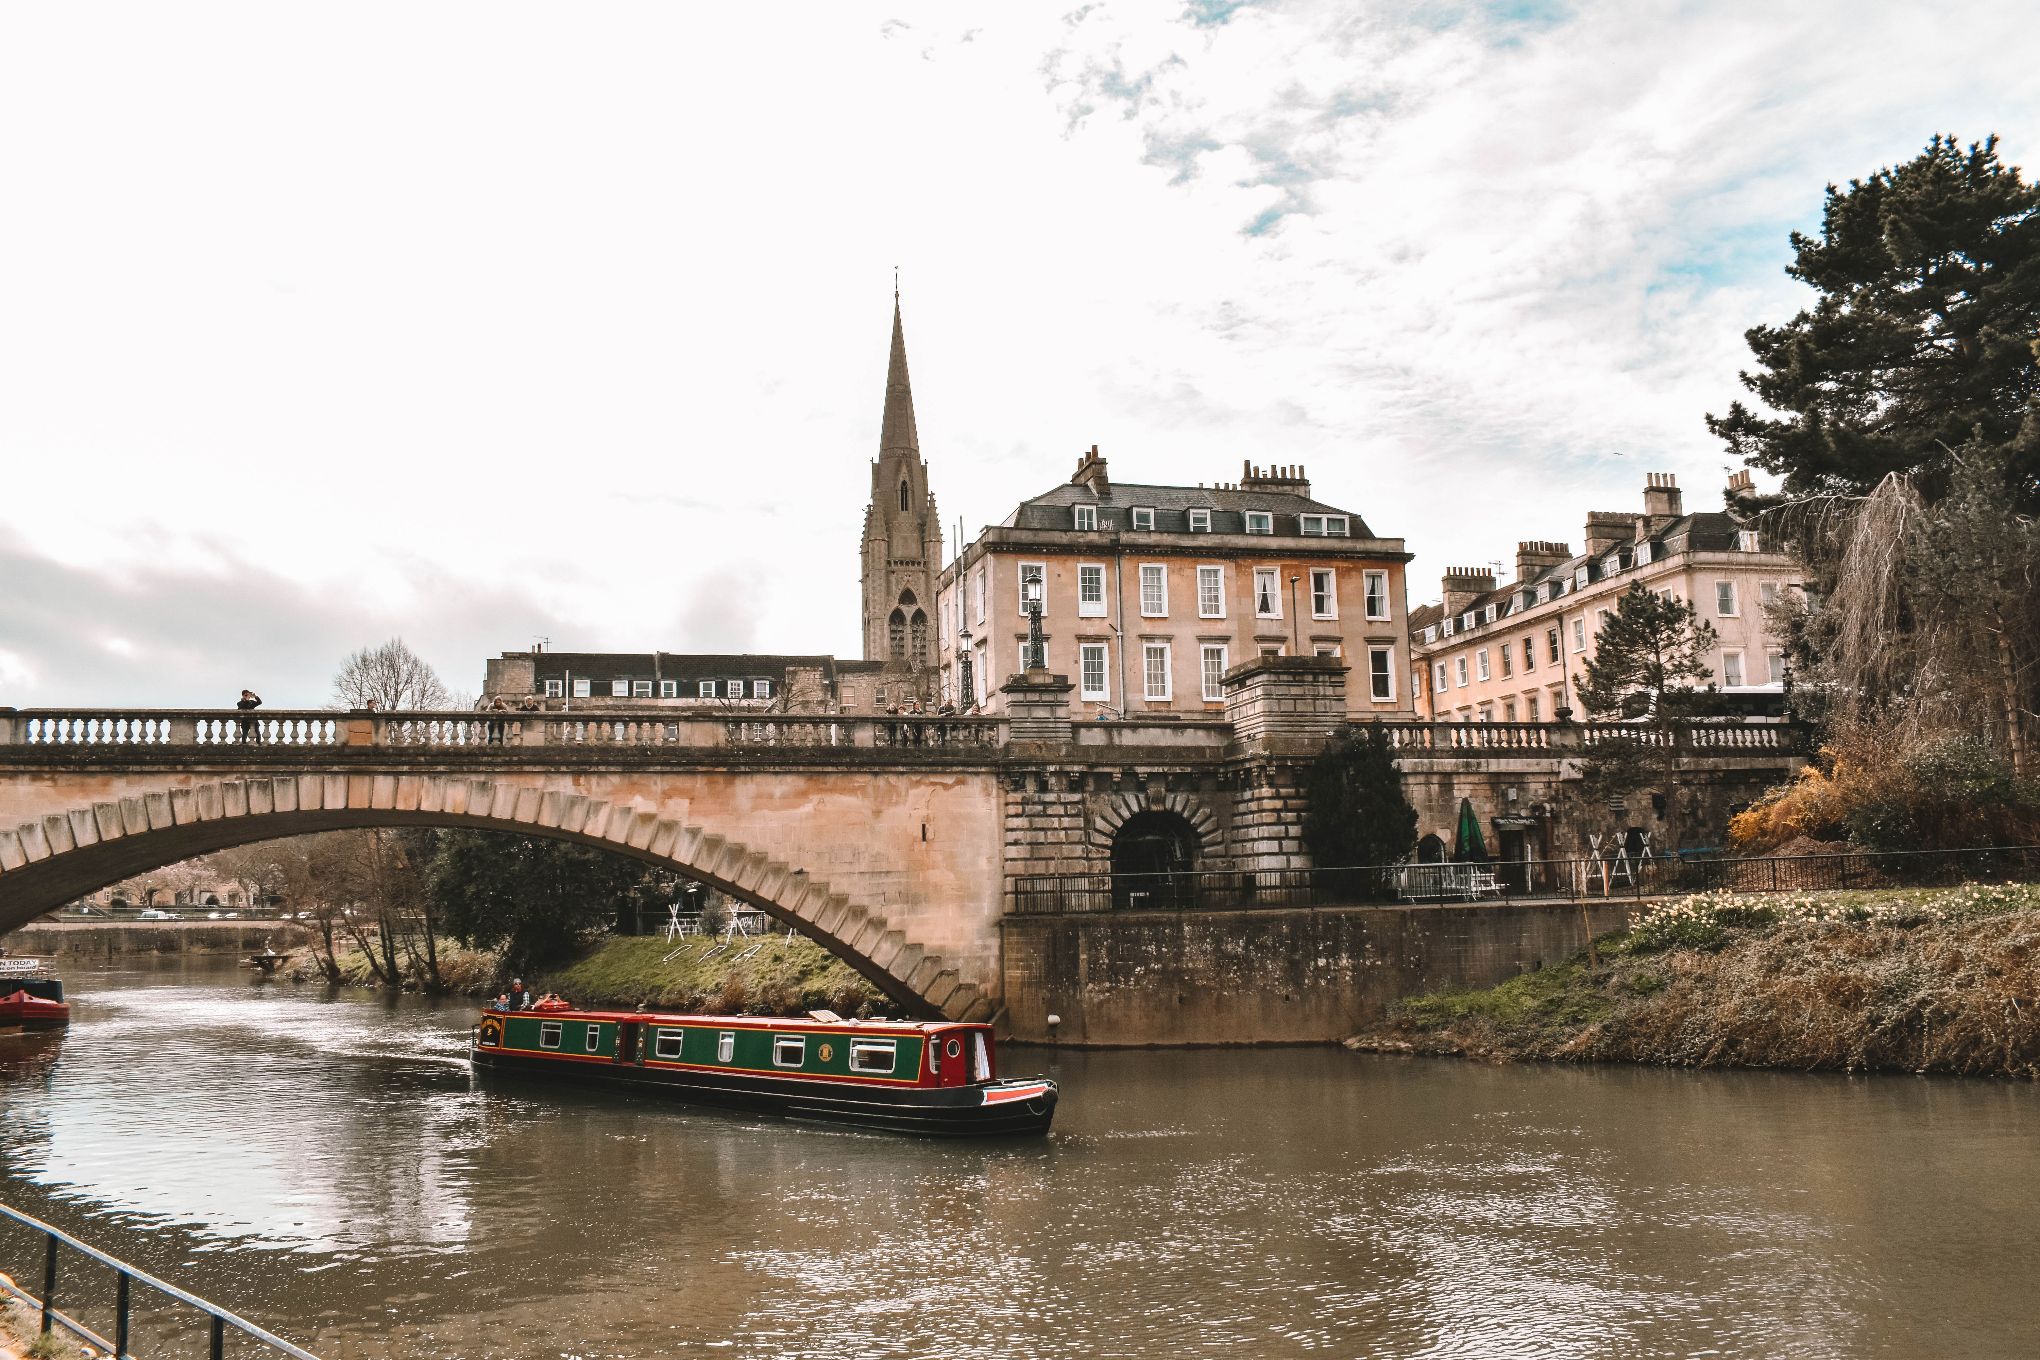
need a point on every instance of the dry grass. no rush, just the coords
(1915, 982)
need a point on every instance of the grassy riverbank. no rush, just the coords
(1929, 980)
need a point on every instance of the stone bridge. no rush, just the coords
(896, 842)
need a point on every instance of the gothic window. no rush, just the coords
(903, 493)
(907, 600)
(920, 630)
(896, 636)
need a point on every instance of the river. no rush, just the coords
(327, 1167)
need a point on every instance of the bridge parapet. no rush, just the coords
(212, 729)
(1534, 739)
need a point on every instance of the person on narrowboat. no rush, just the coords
(517, 999)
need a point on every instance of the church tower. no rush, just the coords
(902, 550)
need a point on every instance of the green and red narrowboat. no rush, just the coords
(933, 1077)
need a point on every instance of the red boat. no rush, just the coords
(30, 997)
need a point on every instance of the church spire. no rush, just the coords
(897, 431)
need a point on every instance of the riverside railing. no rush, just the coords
(1507, 737)
(218, 1320)
(1581, 879)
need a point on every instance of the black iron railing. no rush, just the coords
(218, 1320)
(1618, 876)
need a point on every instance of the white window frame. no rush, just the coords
(1481, 667)
(584, 688)
(1102, 692)
(1579, 634)
(1580, 577)
(1445, 628)
(1274, 577)
(1438, 681)
(977, 586)
(1149, 651)
(1324, 526)
(669, 689)
(1381, 674)
(1090, 609)
(591, 1038)
(640, 689)
(1643, 553)
(1530, 708)
(1529, 653)
(1213, 682)
(1211, 577)
(705, 690)
(553, 689)
(1200, 520)
(1157, 572)
(862, 1051)
(1746, 540)
(1259, 521)
(619, 689)
(1508, 661)
(1487, 615)
(1375, 586)
(1508, 708)
(1084, 518)
(725, 1046)
(1330, 593)
(1143, 518)
(1735, 659)
(761, 689)
(781, 1043)
(549, 1034)
(1459, 670)
(1020, 585)
(1774, 664)
(1725, 602)
(1554, 646)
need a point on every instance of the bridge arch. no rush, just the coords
(62, 856)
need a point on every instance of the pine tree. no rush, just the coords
(1647, 658)
(1921, 337)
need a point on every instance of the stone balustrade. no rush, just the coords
(1505, 738)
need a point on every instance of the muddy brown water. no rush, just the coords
(327, 1167)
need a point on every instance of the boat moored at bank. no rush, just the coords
(31, 996)
(929, 1077)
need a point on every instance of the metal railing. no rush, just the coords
(126, 1277)
(1589, 878)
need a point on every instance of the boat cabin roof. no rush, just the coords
(782, 1023)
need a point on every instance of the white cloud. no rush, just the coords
(476, 322)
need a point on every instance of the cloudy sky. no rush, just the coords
(480, 323)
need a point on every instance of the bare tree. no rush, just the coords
(390, 677)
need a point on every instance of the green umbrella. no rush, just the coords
(1467, 845)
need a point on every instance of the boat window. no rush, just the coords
(725, 1046)
(788, 1050)
(548, 1034)
(981, 1057)
(594, 1038)
(873, 1056)
(955, 1048)
(667, 1045)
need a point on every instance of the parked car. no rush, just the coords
(155, 914)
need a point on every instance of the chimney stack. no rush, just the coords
(1535, 558)
(1091, 472)
(1662, 500)
(1740, 486)
(1289, 477)
(1464, 585)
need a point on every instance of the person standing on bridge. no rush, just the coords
(251, 730)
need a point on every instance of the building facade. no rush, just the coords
(591, 681)
(1150, 594)
(901, 549)
(1486, 652)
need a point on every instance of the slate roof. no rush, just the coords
(685, 666)
(1172, 504)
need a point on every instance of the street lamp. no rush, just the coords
(1031, 590)
(966, 692)
(1295, 639)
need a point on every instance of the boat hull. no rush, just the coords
(23, 1011)
(1009, 1109)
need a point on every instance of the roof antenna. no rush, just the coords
(896, 285)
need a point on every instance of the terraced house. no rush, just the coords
(1514, 653)
(1150, 594)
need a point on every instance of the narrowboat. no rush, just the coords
(31, 997)
(931, 1077)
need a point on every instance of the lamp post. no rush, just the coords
(1031, 591)
(966, 692)
(1295, 638)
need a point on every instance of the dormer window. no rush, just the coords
(1643, 553)
(1324, 526)
(1447, 626)
(1431, 633)
(1143, 517)
(1488, 615)
(1579, 579)
(1746, 540)
(1466, 619)
(1260, 522)
(1084, 518)
(1200, 521)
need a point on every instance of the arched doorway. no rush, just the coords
(1154, 855)
(1431, 850)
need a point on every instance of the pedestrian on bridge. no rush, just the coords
(251, 729)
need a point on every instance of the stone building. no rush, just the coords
(1488, 652)
(1150, 594)
(590, 681)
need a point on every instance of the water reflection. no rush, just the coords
(329, 1168)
